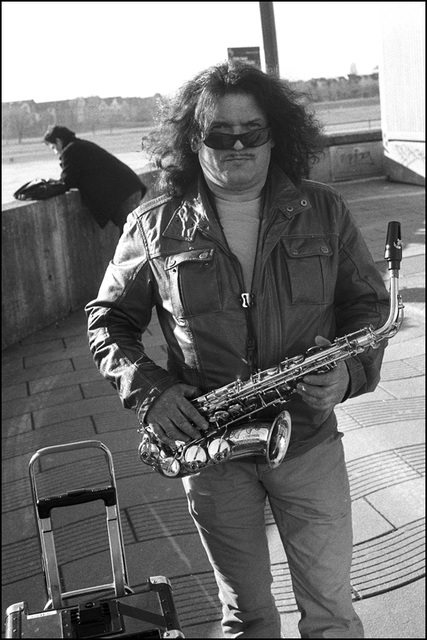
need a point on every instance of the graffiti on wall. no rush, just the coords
(354, 161)
(409, 154)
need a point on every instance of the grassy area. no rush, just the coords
(32, 149)
(347, 112)
(349, 103)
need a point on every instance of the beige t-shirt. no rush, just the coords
(240, 223)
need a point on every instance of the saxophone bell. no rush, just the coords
(265, 439)
(279, 437)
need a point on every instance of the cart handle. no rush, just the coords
(43, 507)
(70, 446)
(79, 496)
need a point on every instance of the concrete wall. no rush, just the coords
(53, 259)
(350, 156)
(54, 255)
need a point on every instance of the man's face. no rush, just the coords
(57, 146)
(240, 169)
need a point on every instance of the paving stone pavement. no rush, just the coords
(53, 394)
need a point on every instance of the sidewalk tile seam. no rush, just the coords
(392, 526)
(411, 528)
(44, 399)
(34, 373)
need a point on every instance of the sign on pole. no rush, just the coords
(248, 55)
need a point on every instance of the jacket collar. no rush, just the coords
(193, 214)
(196, 213)
(283, 195)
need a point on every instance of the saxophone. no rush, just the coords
(227, 407)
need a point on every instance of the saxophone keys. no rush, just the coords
(219, 417)
(195, 456)
(169, 467)
(219, 449)
(235, 410)
(147, 449)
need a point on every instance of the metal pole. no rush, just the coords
(269, 38)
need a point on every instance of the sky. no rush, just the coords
(62, 50)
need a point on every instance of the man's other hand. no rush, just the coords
(322, 391)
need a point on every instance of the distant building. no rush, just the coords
(31, 119)
(402, 90)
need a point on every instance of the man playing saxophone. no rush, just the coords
(247, 262)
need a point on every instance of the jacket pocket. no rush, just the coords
(310, 266)
(194, 282)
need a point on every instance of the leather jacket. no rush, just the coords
(313, 275)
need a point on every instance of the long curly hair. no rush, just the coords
(184, 118)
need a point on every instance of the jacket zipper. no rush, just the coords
(259, 262)
(246, 300)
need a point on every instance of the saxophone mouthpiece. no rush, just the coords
(393, 247)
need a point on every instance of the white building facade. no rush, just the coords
(402, 90)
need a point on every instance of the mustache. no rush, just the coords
(239, 156)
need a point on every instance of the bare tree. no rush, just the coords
(20, 119)
(91, 113)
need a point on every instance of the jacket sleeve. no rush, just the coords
(119, 316)
(361, 300)
(71, 164)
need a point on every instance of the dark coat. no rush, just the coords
(103, 180)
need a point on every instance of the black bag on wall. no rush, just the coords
(40, 189)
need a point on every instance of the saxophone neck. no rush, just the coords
(393, 255)
(395, 316)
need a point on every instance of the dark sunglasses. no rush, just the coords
(256, 138)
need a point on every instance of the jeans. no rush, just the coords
(310, 500)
